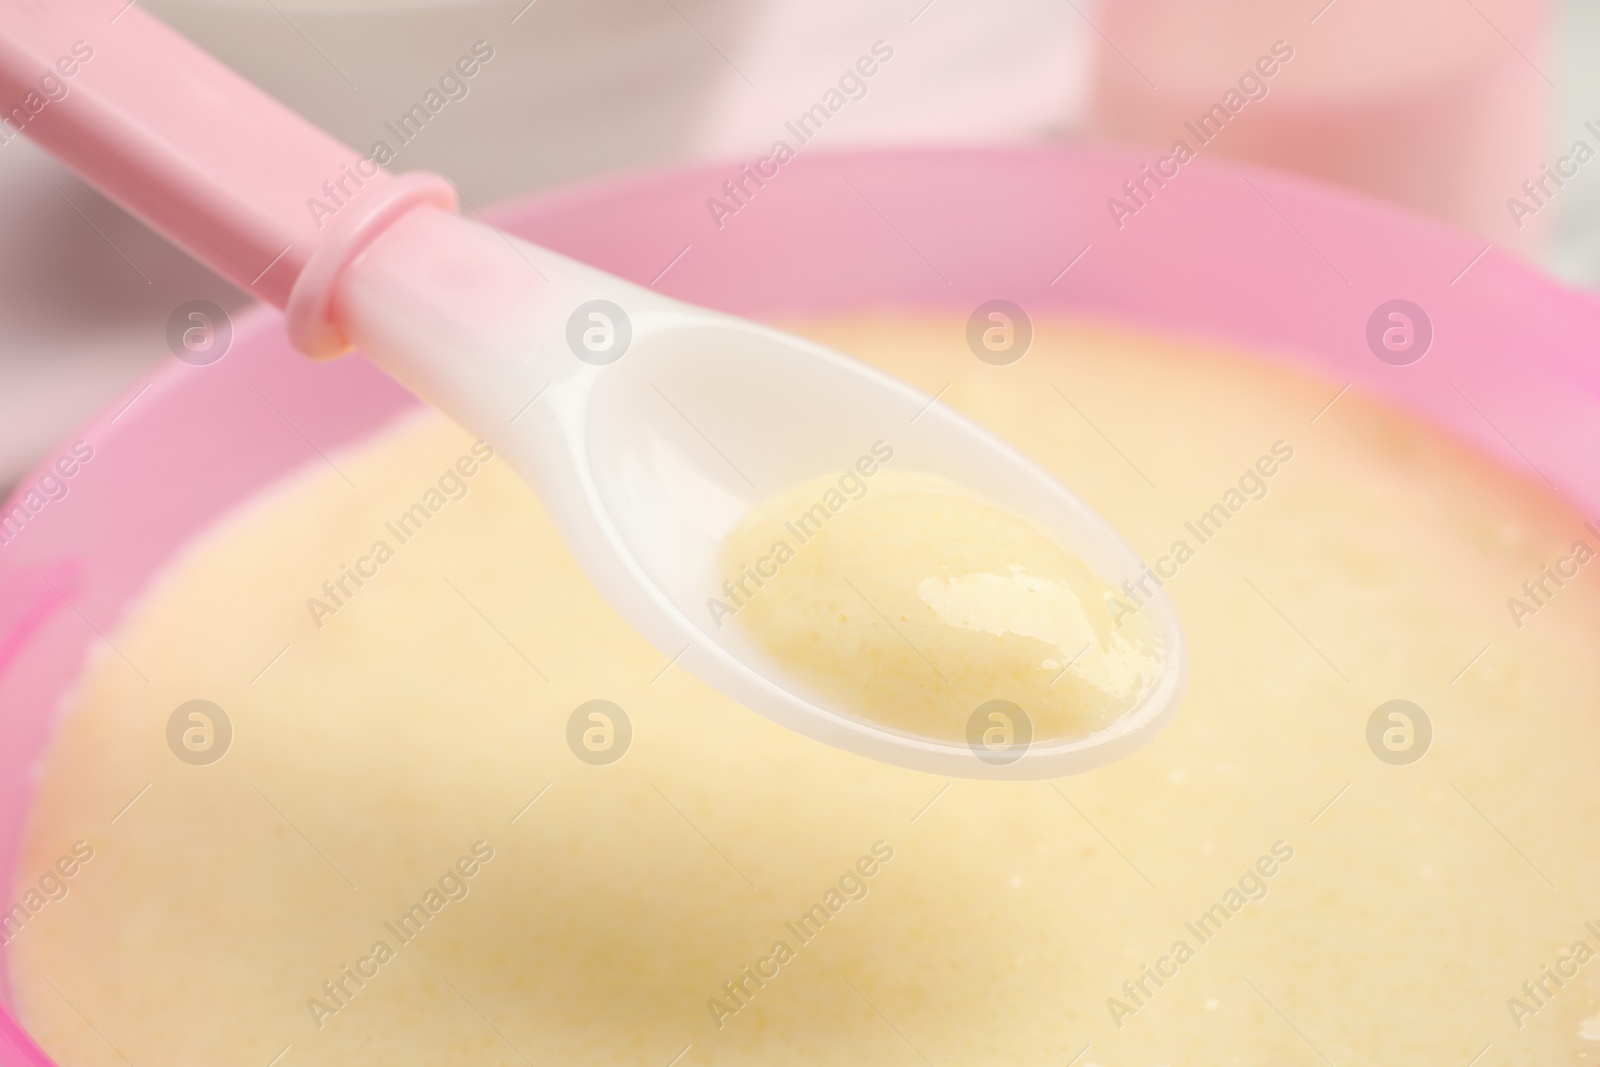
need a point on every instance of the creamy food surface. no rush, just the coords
(420, 845)
(914, 603)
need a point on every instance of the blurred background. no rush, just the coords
(1445, 106)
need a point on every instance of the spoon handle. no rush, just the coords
(220, 168)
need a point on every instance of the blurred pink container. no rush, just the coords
(1215, 264)
(1440, 105)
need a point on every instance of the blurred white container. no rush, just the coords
(573, 88)
(963, 71)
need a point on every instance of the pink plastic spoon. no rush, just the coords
(647, 426)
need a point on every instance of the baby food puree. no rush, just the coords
(465, 815)
(918, 603)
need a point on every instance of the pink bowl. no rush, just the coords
(1265, 261)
